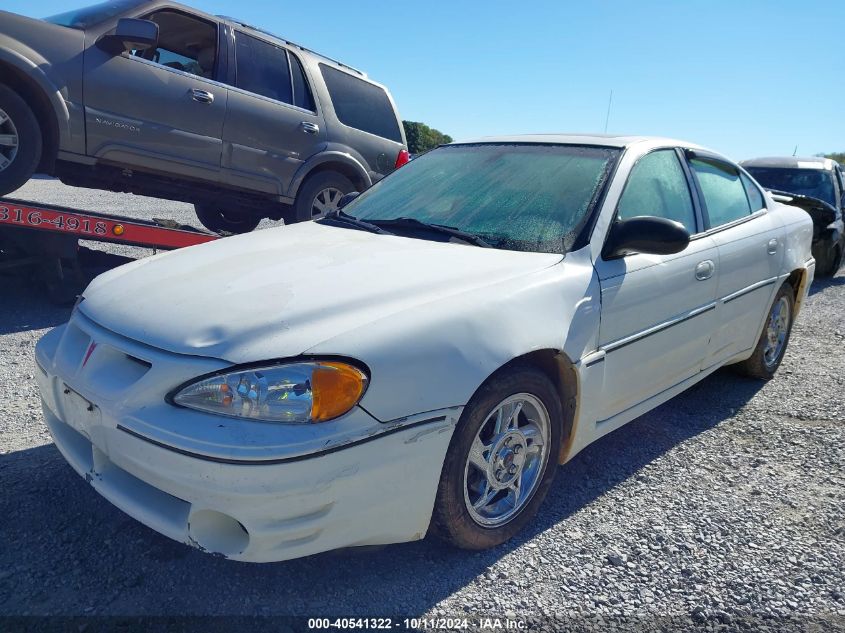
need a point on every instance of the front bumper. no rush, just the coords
(239, 501)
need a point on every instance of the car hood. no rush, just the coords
(279, 292)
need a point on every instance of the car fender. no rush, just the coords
(352, 165)
(437, 355)
(31, 64)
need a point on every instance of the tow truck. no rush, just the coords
(45, 239)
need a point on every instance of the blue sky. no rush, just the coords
(745, 77)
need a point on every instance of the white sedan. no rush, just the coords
(426, 356)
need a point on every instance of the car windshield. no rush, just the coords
(815, 183)
(526, 197)
(89, 16)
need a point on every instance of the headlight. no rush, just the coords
(297, 392)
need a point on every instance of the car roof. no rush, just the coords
(791, 162)
(601, 140)
(265, 33)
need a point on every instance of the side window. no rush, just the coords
(657, 186)
(302, 96)
(755, 198)
(262, 68)
(361, 105)
(723, 190)
(185, 43)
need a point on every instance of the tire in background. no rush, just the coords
(221, 220)
(320, 186)
(20, 121)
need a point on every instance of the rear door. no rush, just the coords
(272, 123)
(160, 109)
(657, 311)
(750, 243)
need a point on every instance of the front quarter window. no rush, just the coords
(525, 197)
(89, 16)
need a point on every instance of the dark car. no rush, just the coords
(159, 99)
(817, 185)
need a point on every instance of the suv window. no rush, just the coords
(658, 186)
(263, 68)
(723, 190)
(185, 43)
(302, 96)
(361, 105)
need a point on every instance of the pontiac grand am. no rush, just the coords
(421, 360)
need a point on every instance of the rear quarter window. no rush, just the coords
(361, 105)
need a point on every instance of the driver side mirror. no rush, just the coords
(347, 198)
(130, 35)
(645, 234)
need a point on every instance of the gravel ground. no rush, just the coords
(724, 509)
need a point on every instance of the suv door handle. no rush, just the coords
(202, 96)
(705, 270)
(772, 246)
(310, 128)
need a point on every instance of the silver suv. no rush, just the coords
(159, 99)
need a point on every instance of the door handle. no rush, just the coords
(202, 96)
(705, 270)
(310, 128)
(772, 246)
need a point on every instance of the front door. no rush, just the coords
(272, 125)
(159, 109)
(657, 311)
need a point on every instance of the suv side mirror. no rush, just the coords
(646, 234)
(347, 198)
(130, 35)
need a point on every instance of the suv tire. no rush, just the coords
(20, 141)
(221, 220)
(320, 194)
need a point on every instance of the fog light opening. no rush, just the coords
(217, 533)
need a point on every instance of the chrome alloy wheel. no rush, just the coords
(325, 201)
(9, 140)
(506, 460)
(777, 329)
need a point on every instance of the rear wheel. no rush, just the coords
(220, 220)
(771, 347)
(20, 141)
(320, 195)
(501, 460)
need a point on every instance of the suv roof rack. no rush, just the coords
(289, 43)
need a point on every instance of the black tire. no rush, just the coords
(313, 187)
(451, 519)
(23, 123)
(220, 220)
(757, 366)
(835, 262)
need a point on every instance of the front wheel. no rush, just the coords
(20, 141)
(221, 220)
(501, 460)
(771, 347)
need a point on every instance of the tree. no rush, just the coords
(422, 138)
(839, 157)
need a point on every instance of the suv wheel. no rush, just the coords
(20, 141)
(220, 220)
(320, 194)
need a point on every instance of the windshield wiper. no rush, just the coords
(451, 231)
(351, 220)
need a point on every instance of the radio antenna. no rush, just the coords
(609, 104)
